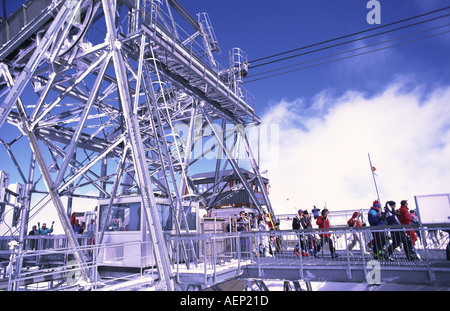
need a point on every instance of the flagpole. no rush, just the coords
(373, 176)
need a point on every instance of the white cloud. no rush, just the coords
(323, 150)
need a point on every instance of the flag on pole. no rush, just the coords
(373, 171)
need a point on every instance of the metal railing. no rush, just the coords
(48, 264)
(151, 15)
(390, 246)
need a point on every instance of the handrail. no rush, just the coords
(232, 254)
(432, 259)
(65, 271)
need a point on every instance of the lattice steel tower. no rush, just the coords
(116, 96)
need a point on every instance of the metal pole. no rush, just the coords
(24, 218)
(424, 240)
(120, 170)
(137, 149)
(373, 176)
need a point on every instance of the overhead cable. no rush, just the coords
(350, 35)
(351, 41)
(348, 51)
(347, 57)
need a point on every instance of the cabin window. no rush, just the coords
(124, 217)
(165, 216)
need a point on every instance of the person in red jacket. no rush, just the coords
(406, 219)
(324, 223)
(352, 223)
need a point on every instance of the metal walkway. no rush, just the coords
(357, 266)
(230, 256)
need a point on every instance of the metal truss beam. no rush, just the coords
(138, 153)
(104, 110)
(79, 256)
(232, 160)
(65, 15)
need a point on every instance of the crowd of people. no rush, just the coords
(78, 229)
(383, 241)
(44, 230)
(380, 242)
(76, 226)
(247, 222)
(309, 244)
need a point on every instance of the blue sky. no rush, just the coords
(263, 28)
(392, 104)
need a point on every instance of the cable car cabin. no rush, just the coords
(228, 197)
(126, 230)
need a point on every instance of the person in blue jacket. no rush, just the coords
(375, 218)
(77, 227)
(379, 238)
(315, 212)
(44, 230)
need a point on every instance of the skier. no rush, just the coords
(379, 238)
(306, 224)
(296, 225)
(76, 226)
(296, 220)
(352, 223)
(264, 239)
(243, 225)
(399, 237)
(44, 230)
(315, 212)
(406, 219)
(324, 223)
(33, 242)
